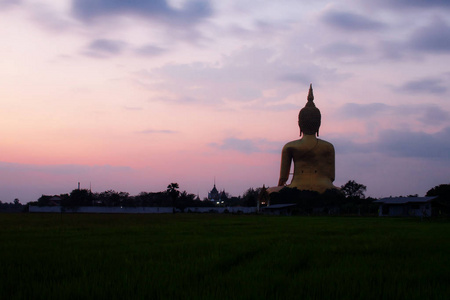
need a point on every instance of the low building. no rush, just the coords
(405, 206)
(279, 209)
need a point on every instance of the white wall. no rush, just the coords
(137, 210)
(406, 210)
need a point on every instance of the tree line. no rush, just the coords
(350, 199)
(171, 197)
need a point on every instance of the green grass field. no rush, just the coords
(188, 256)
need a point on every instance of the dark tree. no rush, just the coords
(443, 191)
(78, 197)
(109, 198)
(352, 189)
(263, 197)
(186, 200)
(43, 200)
(442, 202)
(172, 191)
(250, 197)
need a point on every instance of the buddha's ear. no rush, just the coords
(317, 132)
(300, 132)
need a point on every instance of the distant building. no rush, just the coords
(213, 195)
(405, 206)
(217, 197)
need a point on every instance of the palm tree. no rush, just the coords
(172, 191)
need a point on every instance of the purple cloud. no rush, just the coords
(152, 131)
(350, 21)
(159, 10)
(434, 115)
(425, 85)
(415, 144)
(428, 114)
(433, 38)
(414, 3)
(346, 146)
(355, 110)
(299, 77)
(150, 50)
(105, 46)
(248, 146)
(6, 3)
(58, 169)
(342, 49)
(401, 143)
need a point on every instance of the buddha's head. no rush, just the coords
(309, 116)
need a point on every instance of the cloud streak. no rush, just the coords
(248, 146)
(153, 10)
(59, 169)
(355, 110)
(157, 131)
(402, 4)
(424, 85)
(402, 143)
(8, 3)
(150, 50)
(105, 47)
(350, 21)
(426, 113)
(416, 144)
(432, 38)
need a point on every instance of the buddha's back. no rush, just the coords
(313, 164)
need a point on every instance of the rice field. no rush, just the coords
(210, 256)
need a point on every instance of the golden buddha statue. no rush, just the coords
(313, 158)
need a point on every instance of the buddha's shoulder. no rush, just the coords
(292, 144)
(325, 143)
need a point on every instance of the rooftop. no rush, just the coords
(402, 200)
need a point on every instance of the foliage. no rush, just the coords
(358, 206)
(250, 197)
(78, 197)
(78, 256)
(153, 199)
(351, 199)
(442, 202)
(263, 196)
(46, 200)
(442, 190)
(173, 193)
(14, 207)
(171, 197)
(172, 190)
(352, 189)
(308, 202)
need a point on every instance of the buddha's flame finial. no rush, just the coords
(310, 102)
(310, 93)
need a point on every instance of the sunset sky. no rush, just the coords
(133, 95)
